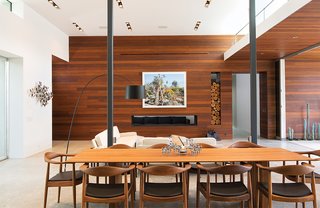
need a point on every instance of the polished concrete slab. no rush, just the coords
(22, 180)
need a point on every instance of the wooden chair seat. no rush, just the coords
(288, 189)
(67, 176)
(105, 190)
(226, 189)
(163, 189)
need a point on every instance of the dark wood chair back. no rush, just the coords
(158, 146)
(245, 144)
(120, 146)
(205, 145)
(315, 154)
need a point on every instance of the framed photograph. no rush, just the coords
(165, 90)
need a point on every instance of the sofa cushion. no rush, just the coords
(102, 138)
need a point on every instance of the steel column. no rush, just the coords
(253, 72)
(110, 72)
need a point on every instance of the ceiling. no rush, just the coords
(148, 17)
(298, 31)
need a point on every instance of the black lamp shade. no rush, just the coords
(135, 92)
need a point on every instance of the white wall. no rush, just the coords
(33, 41)
(241, 103)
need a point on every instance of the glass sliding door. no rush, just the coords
(3, 110)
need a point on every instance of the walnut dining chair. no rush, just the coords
(288, 192)
(107, 193)
(62, 178)
(233, 191)
(164, 192)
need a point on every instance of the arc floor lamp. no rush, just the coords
(132, 92)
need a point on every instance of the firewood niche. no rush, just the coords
(215, 99)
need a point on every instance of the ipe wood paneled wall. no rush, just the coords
(196, 55)
(302, 87)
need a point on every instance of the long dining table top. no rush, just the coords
(206, 155)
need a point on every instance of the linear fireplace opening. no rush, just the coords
(164, 120)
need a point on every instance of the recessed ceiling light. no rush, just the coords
(207, 3)
(295, 37)
(162, 27)
(196, 27)
(120, 4)
(77, 26)
(128, 26)
(53, 4)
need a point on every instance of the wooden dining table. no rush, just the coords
(253, 155)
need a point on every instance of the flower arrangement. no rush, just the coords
(41, 93)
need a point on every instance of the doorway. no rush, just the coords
(241, 126)
(4, 64)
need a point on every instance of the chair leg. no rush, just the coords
(208, 202)
(303, 204)
(59, 192)
(270, 201)
(126, 203)
(242, 204)
(74, 196)
(197, 196)
(84, 204)
(250, 203)
(132, 198)
(296, 204)
(315, 203)
(45, 196)
(141, 203)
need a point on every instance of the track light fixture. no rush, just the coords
(77, 26)
(128, 26)
(196, 27)
(53, 4)
(120, 4)
(207, 3)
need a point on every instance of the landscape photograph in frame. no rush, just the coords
(164, 90)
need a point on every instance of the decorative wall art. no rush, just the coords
(164, 90)
(41, 93)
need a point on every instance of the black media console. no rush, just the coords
(164, 120)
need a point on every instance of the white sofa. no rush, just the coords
(128, 138)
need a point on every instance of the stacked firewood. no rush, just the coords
(215, 104)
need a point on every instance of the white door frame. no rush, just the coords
(6, 107)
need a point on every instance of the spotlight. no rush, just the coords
(128, 26)
(207, 3)
(196, 27)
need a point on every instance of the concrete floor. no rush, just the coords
(22, 180)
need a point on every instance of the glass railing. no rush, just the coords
(261, 16)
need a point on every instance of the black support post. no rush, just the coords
(253, 72)
(110, 72)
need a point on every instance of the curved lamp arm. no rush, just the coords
(76, 106)
(132, 92)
